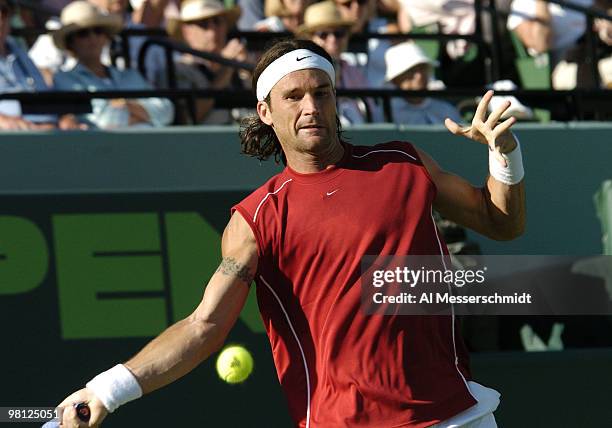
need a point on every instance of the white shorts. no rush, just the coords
(479, 415)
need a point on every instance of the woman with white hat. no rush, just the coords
(409, 68)
(324, 25)
(84, 33)
(204, 26)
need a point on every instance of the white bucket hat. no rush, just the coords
(402, 57)
(81, 14)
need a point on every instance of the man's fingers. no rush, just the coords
(483, 105)
(505, 125)
(453, 127)
(497, 114)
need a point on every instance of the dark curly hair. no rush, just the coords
(256, 138)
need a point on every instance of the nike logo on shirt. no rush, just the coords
(332, 192)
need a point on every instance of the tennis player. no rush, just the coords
(301, 237)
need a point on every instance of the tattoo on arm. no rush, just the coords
(230, 267)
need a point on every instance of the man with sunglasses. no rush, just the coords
(204, 27)
(85, 32)
(145, 14)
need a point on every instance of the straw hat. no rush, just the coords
(322, 15)
(402, 57)
(198, 10)
(82, 14)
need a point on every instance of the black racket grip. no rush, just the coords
(83, 412)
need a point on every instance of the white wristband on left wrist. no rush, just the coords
(511, 174)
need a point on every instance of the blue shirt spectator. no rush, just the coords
(19, 74)
(85, 32)
(409, 69)
(427, 112)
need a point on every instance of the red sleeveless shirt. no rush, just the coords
(337, 366)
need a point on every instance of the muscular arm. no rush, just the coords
(184, 345)
(190, 341)
(495, 210)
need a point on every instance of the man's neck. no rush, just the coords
(308, 162)
(96, 67)
(415, 101)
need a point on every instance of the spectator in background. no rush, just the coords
(452, 17)
(548, 27)
(410, 69)
(205, 25)
(283, 15)
(146, 14)
(19, 74)
(462, 63)
(50, 59)
(324, 25)
(371, 57)
(252, 13)
(85, 31)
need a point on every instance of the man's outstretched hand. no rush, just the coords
(69, 415)
(487, 130)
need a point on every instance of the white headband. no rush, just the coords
(298, 59)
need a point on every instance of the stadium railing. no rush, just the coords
(577, 104)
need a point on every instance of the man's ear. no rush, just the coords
(263, 110)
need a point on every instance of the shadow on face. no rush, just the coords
(415, 78)
(209, 35)
(86, 44)
(302, 110)
(333, 39)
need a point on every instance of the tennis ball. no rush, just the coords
(234, 364)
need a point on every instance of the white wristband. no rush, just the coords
(115, 387)
(511, 174)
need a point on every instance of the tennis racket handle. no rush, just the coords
(83, 412)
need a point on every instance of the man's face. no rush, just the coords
(357, 11)
(415, 78)
(209, 35)
(86, 44)
(302, 111)
(333, 39)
